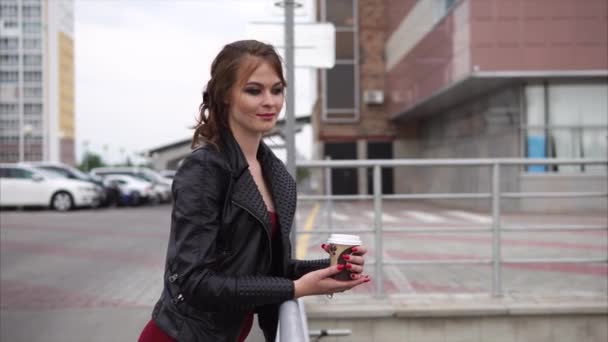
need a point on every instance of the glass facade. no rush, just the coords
(566, 120)
(22, 80)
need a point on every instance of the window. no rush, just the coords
(566, 120)
(340, 12)
(9, 76)
(32, 60)
(340, 84)
(31, 27)
(8, 108)
(32, 43)
(9, 60)
(32, 76)
(9, 44)
(31, 11)
(32, 108)
(32, 92)
(340, 94)
(10, 24)
(345, 45)
(8, 11)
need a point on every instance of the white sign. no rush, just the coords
(315, 43)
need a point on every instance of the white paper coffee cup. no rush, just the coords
(339, 245)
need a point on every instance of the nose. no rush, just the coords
(269, 99)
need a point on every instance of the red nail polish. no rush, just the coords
(353, 276)
(346, 257)
(349, 266)
(354, 249)
(323, 245)
(340, 267)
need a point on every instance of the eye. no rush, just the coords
(277, 91)
(252, 91)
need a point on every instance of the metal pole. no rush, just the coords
(496, 240)
(291, 99)
(378, 231)
(328, 192)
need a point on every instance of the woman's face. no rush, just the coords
(256, 103)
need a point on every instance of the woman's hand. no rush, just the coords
(321, 282)
(354, 261)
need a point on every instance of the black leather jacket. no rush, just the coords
(220, 253)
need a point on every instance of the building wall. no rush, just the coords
(531, 35)
(374, 121)
(487, 127)
(427, 52)
(433, 57)
(37, 92)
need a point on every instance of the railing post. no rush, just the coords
(379, 291)
(496, 239)
(329, 205)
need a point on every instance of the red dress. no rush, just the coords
(152, 332)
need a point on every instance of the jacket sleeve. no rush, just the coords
(199, 190)
(298, 268)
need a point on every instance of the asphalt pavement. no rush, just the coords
(94, 275)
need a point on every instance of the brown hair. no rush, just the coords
(233, 61)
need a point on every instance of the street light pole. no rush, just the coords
(291, 100)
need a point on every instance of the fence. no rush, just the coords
(494, 196)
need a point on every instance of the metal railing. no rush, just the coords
(293, 326)
(495, 196)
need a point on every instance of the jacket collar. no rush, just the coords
(245, 192)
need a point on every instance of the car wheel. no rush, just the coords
(62, 201)
(135, 198)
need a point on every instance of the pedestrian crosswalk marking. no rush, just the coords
(385, 217)
(470, 216)
(424, 217)
(339, 217)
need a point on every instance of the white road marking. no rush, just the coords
(339, 217)
(385, 217)
(470, 216)
(425, 217)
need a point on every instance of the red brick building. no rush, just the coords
(465, 79)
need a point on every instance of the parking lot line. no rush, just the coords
(470, 216)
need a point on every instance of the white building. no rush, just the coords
(37, 80)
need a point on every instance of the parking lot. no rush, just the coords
(93, 275)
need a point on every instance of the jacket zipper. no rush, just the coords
(263, 225)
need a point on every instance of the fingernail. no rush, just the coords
(366, 280)
(353, 276)
(346, 257)
(349, 266)
(354, 249)
(340, 267)
(323, 245)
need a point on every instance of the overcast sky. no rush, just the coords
(141, 66)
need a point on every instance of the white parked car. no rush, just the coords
(22, 185)
(134, 191)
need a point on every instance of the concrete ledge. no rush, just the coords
(454, 306)
(462, 318)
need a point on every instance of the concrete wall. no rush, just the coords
(557, 328)
(462, 318)
(487, 127)
(564, 183)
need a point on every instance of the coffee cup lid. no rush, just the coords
(344, 239)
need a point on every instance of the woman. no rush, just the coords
(229, 254)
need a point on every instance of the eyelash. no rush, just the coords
(251, 91)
